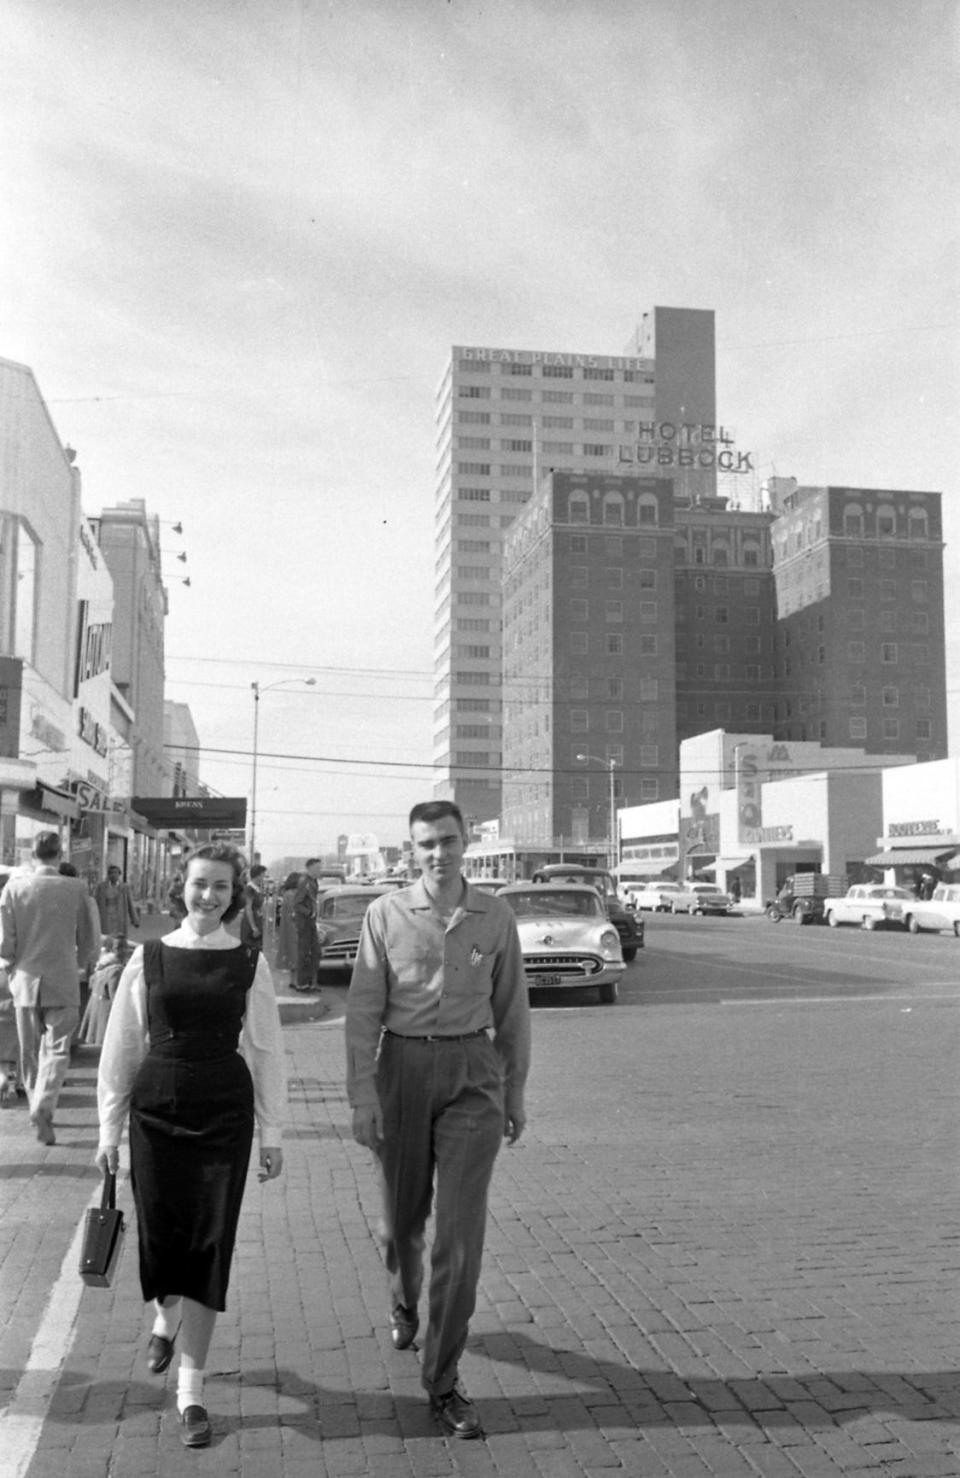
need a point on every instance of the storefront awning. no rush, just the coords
(646, 867)
(56, 802)
(910, 856)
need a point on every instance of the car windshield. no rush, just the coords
(705, 888)
(347, 905)
(552, 903)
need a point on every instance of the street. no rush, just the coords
(727, 1244)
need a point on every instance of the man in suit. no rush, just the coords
(115, 904)
(46, 932)
(305, 916)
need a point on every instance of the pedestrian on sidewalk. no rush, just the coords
(103, 988)
(287, 928)
(439, 967)
(115, 903)
(305, 914)
(193, 1051)
(46, 938)
(254, 899)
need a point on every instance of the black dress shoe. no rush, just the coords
(194, 1427)
(456, 1415)
(159, 1353)
(403, 1327)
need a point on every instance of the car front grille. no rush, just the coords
(568, 965)
(342, 951)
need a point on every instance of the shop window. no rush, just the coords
(19, 572)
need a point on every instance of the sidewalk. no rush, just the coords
(643, 1310)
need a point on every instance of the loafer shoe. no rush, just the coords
(195, 1427)
(403, 1327)
(159, 1353)
(456, 1414)
(42, 1122)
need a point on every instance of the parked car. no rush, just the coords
(656, 895)
(340, 913)
(566, 936)
(700, 898)
(488, 885)
(624, 920)
(871, 905)
(940, 911)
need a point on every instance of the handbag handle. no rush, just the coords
(108, 1200)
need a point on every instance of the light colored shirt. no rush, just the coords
(418, 976)
(47, 936)
(127, 1041)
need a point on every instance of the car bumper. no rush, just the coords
(563, 973)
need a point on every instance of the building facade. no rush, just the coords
(504, 417)
(860, 655)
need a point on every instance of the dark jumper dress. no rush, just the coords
(191, 1120)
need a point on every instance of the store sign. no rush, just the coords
(192, 811)
(11, 693)
(776, 834)
(913, 828)
(91, 732)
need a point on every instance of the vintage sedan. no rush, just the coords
(340, 912)
(656, 895)
(566, 937)
(700, 898)
(940, 911)
(871, 905)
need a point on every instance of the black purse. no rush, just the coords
(103, 1234)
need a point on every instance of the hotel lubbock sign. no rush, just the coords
(693, 444)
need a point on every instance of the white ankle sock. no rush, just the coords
(189, 1388)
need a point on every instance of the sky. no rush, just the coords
(241, 236)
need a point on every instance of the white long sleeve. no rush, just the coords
(127, 1041)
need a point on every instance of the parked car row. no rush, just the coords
(876, 905)
(692, 898)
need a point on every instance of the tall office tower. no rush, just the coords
(588, 657)
(726, 615)
(504, 417)
(860, 638)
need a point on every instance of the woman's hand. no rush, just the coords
(271, 1163)
(108, 1161)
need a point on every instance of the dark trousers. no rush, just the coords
(443, 1125)
(308, 952)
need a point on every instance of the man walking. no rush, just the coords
(46, 931)
(439, 968)
(305, 918)
(116, 906)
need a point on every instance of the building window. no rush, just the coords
(721, 556)
(649, 790)
(614, 610)
(474, 443)
(614, 644)
(579, 686)
(858, 728)
(474, 495)
(921, 653)
(579, 610)
(919, 622)
(858, 696)
(579, 577)
(721, 615)
(855, 587)
(891, 728)
(614, 687)
(613, 509)
(888, 589)
(648, 510)
(613, 574)
(649, 756)
(579, 720)
(886, 522)
(721, 671)
(650, 689)
(475, 392)
(515, 369)
(887, 559)
(474, 418)
(751, 672)
(596, 449)
(924, 730)
(751, 616)
(516, 444)
(614, 546)
(647, 579)
(578, 543)
(888, 653)
(888, 620)
(853, 521)
(578, 642)
(473, 469)
(918, 590)
(598, 374)
(648, 610)
(891, 697)
(647, 645)
(19, 569)
(917, 523)
(579, 508)
(614, 721)
(557, 371)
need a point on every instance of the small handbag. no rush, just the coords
(103, 1234)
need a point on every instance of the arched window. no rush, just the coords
(647, 509)
(887, 521)
(579, 508)
(613, 509)
(751, 554)
(918, 524)
(720, 556)
(853, 521)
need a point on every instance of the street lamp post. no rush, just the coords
(310, 682)
(612, 823)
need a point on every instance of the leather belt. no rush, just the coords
(461, 1037)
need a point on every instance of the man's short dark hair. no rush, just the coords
(258, 870)
(47, 846)
(312, 861)
(435, 811)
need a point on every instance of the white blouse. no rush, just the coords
(127, 1041)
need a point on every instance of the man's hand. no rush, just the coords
(271, 1162)
(108, 1161)
(514, 1122)
(368, 1126)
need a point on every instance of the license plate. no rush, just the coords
(547, 980)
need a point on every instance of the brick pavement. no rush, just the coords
(718, 1251)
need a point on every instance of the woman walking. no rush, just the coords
(193, 1051)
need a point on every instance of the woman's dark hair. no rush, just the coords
(222, 852)
(291, 880)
